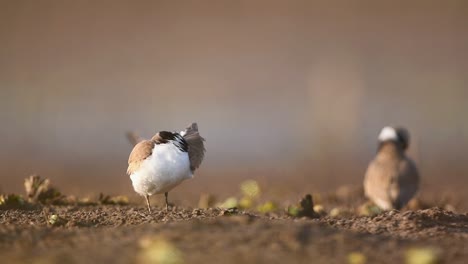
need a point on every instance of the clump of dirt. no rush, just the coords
(305, 208)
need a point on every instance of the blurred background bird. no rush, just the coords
(158, 165)
(392, 178)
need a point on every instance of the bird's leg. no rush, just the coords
(148, 203)
(167, 202)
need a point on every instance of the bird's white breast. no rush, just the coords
(166, 168)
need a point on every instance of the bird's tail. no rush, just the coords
(134, 138)
(196, 147)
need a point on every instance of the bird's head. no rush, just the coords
(397, 135)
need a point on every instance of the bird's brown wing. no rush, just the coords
(408, 181)
(196, 147)
(140, 152)
(377, 182)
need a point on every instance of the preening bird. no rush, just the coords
(392, 178)
(158, 165)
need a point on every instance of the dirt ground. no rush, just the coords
(129, 234)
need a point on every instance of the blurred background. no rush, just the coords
(291, 93)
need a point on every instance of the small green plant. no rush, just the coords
(246, 203)
(56, 220)
(250, 191)
(293, 210)
(113, 200)
(250, 188)
(267, 207)
(12, 201)
(369, 209)
(305, 208)
(39, 190)
(230, 202)
(340, 212)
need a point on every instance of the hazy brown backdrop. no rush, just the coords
(284, 91)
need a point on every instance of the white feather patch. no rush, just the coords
(166, 168)
(388, 133)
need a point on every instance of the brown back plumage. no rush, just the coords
(196, 147)
(392, 179)
(140, 152)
